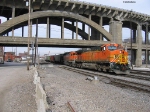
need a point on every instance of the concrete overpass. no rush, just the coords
(53, 42)
(59, 12)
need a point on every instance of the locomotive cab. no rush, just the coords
(118, 58)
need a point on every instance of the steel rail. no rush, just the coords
(127, 83)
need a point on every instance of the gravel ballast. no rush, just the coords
(64, 86)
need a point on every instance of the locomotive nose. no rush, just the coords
(121, 51)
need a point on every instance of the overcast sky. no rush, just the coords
(142, 6)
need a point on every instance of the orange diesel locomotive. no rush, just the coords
(69, 58)
(108, 57)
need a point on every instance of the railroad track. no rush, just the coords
(114, 80)
(137, 76)
(146, 73)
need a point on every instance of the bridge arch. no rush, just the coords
(23, 18)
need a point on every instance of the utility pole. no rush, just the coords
(32, 47)
(36, 36)
(28, 34)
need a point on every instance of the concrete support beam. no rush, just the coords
(62, 29)
(95, 34)
(7, 32)
(134, 36)
(147, 42)
(72, 31)
(101, 24)
(138, 61)
(76, 29)
(89, 34)
(22, 31)
(47, 30)
(116, 30)
(13, 15)
(83, 27)
(146, 34)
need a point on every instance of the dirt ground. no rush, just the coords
(17, 90)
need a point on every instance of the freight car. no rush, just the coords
(59, 58)
(108, 58)
(47, 58)
(55, 58)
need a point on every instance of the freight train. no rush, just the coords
(107, 58)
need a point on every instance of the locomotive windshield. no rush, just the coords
(111, 48)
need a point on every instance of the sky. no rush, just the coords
(142, 6)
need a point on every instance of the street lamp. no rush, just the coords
(29, 3)
(131, 37)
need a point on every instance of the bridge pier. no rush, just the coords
(138, 61)
(89, 29)
(146, 42)
(115, 28)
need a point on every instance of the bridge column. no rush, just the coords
(7, 32)
(138, 61)
(115, 28)
(134, 36)
(48, 28)
(22, 31)
(89, 29)
(76, 29)
(83, 28)
(101, 24)
(62, 29)
(95, 35)
(72, 31)
(146, 42)
(13, 15)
